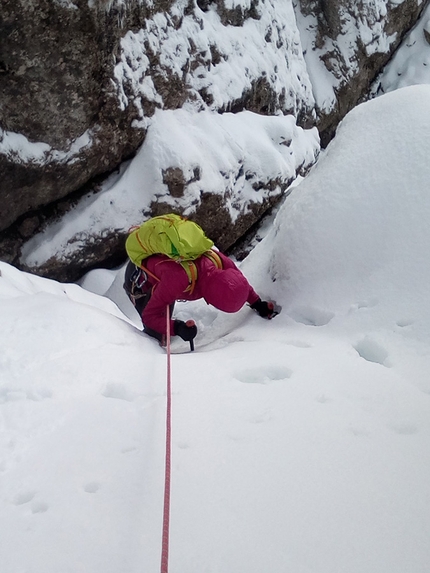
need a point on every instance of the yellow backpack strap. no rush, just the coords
(191, 270)
(214, 257)
(144, 249)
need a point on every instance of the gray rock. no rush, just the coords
(57, 60)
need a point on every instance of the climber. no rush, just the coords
(155, 282)
(226, 289)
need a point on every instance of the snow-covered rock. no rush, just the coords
(346, 43)
(90, 76)
(222, 170)
(410, 64)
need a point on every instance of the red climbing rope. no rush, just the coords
(166, 511)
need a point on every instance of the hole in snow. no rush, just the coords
(404, 428)
(92, 487)
(118, 391)
(311, 316)
(298, 344)
(263, 375)
(24, 497)
(39, 507)
(369, 303)
(403, 323)
(372, 351)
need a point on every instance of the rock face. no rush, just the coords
(82, 79)
(222, 170)
(60, 120)
(353, 41)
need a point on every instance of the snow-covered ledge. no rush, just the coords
(221, 169)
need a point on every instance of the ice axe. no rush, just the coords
(190, 323)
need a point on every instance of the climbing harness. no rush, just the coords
(138, 279)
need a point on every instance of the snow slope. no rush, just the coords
(299, 444)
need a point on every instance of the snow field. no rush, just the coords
(299, 444)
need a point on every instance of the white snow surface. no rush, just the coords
(299, 444)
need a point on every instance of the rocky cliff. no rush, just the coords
(85, 84)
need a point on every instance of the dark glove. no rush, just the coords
(266, 309)
(186, 330)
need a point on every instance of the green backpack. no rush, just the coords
(174, 236)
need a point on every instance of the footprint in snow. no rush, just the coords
(368, 303)
(263, 374)
(404, 428)
(8, 394)
(261, 417)
(92, 487)
(24, 497)
(39, 507)
(405, 322)
(129, 449)
(371, 351)
(299, 344)
(11, 395)
(118, 391)
(311, 316)
(183, 445)
(323, 399)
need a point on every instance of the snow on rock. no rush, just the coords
(245, 158)
(410, 64)
(345, 44)
(17, 147)
(219, 57)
